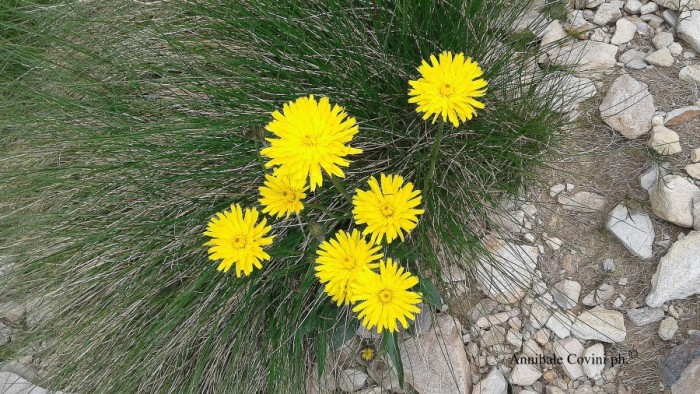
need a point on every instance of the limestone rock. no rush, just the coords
(677, 5)
(524, 374)
(675, 361)
(672, 199)
(624, 32)
(600, 324)
(668, 328)
(350, 380)
(628, 107)
(693, 170)
(493, 383)
(607, 13)
(11, 383)
(634, 59)
(582, 202)
(689, 28)
(594, 361)
(645, 316)
(509, 273)
(664, 141)
(563, 348)
(689, 382)
(589, 58)
(660, 58)
(690, 74)
(635, 231)
(681, 115)
(566, 293)
(678, 273)
(384, 374)
(662, 40)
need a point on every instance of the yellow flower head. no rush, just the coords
(448, 88)
(385, 297)
(282, 194)
(312, 136)
(389, 210)
(340, 260)
(238, 238)
(368, 353)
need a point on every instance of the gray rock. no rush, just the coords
(429, 368)
(600, 324)
(690, 74)
(493, 383)
(649, 8)
(677, 5)
(560, 323)
(672, 199)
(524, 374)
(11, 383)
(571, 90)
(5, 334)
(668, 328)
(540, 312)
(633, 6)
(350, 380)
(689, 29)
(671, 17)
(664, 141)
(681, 115)
(662, 40)
(660, 58)
(594, 361)
(608, 265)
(634, 59)
(588, 58)
(384, 374)
(693, 170)
(673, 362)
(678, 272)
(582, 202)
(628, 107)
(644, 316)
(607, 13)
(689, 381)
(624, 32)
(566, 293)
(635, 231)
(12, 311)
(563, 348)
(695, 155)
(507, 275)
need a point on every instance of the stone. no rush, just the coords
(681, 115)
(12, 383)
(600, 324)
(652, 20)
(384, 374)
(560, 323)
(604, 293)
(690, 74)
(570, 91)
(594, 361)
(582, 202)
(668, 328)
(676, 49)
(12, 312)
(493, 383)
(350, 380)
(491, 320)
(628, 107)
(671, 17)
(633, 6)
(507, 275)
(649, 8)
(644, 316)
(660, 58)
(693, 170)
(664, 141)
(677, 275)
(608, 265)
(689, 381)
(675, 360)
(688, 29)
(588, 58)
(607, 13)
(624, 32)
(556, 189)
(5, 334)
(524, 374)
(428, 368)
(677, 5)
(532, 349)
(565, 347)
(634, 59)
(695, 155)
(540, 313)
(672, 199)
(635, 231)
(662, 40)
(566, 293)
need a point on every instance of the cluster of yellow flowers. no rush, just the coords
(313, 137)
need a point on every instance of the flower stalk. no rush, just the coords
(433, 154)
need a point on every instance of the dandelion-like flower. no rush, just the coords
(448, 88)
(385, 298)
(340, 260)
(312, 137)
(388, 210)
(368, 353)
(282, 194)
(238, 238)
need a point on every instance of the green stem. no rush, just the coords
(322, 209)
(433, 155)
(341, 189)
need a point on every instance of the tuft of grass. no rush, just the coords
(130, 123)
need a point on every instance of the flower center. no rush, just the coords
(238, 242)
(309, 141)
(385, 296)
(387, 210)
(446, 90)
(289, 195)
(349, 262)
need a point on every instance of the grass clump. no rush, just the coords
(131, 123)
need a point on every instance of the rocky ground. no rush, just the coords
(599, 271)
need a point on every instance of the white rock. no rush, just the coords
(589, 58)
(648, 179)
(582, 202)
(624, 32)
(552, 33)
(633, 6)
(635, 231)
(672, 199)
(689, 29)
(524, 374)
(600, 324)
(384, 374)
(649, 8)
(693, 170)
(679, 4)
(553, 242)
(664, 141)
(628, 107)
(350, 380)
(608, 265)
(540, 312)
(560, 323)
(634, 59)
(671, 17)
(681, 115)
(695, 155)
(653, 20)
(644, 316)
(593, 3)
(690, 74)
(678, 272)
(660, 58)
(493, 383)
(689, 381)
(515, 339)
(566, 293)
(604, 293)
(564, 348)
(506, 277)
(662, 40)
(676, 49)
(568, 90)
(532, 349)
(556, 189)
(11, 383)
(668, 328)
(428, 368)
(594, 361)
(607, 13)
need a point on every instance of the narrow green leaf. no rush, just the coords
(392, 348)
(343, 333)
(430, 293)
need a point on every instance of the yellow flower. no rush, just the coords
(238, 238)
(340, 260)
(282, 194)
(312, 137)
(389, 210)
(448, 88)
(367, 353)
(385, 297)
